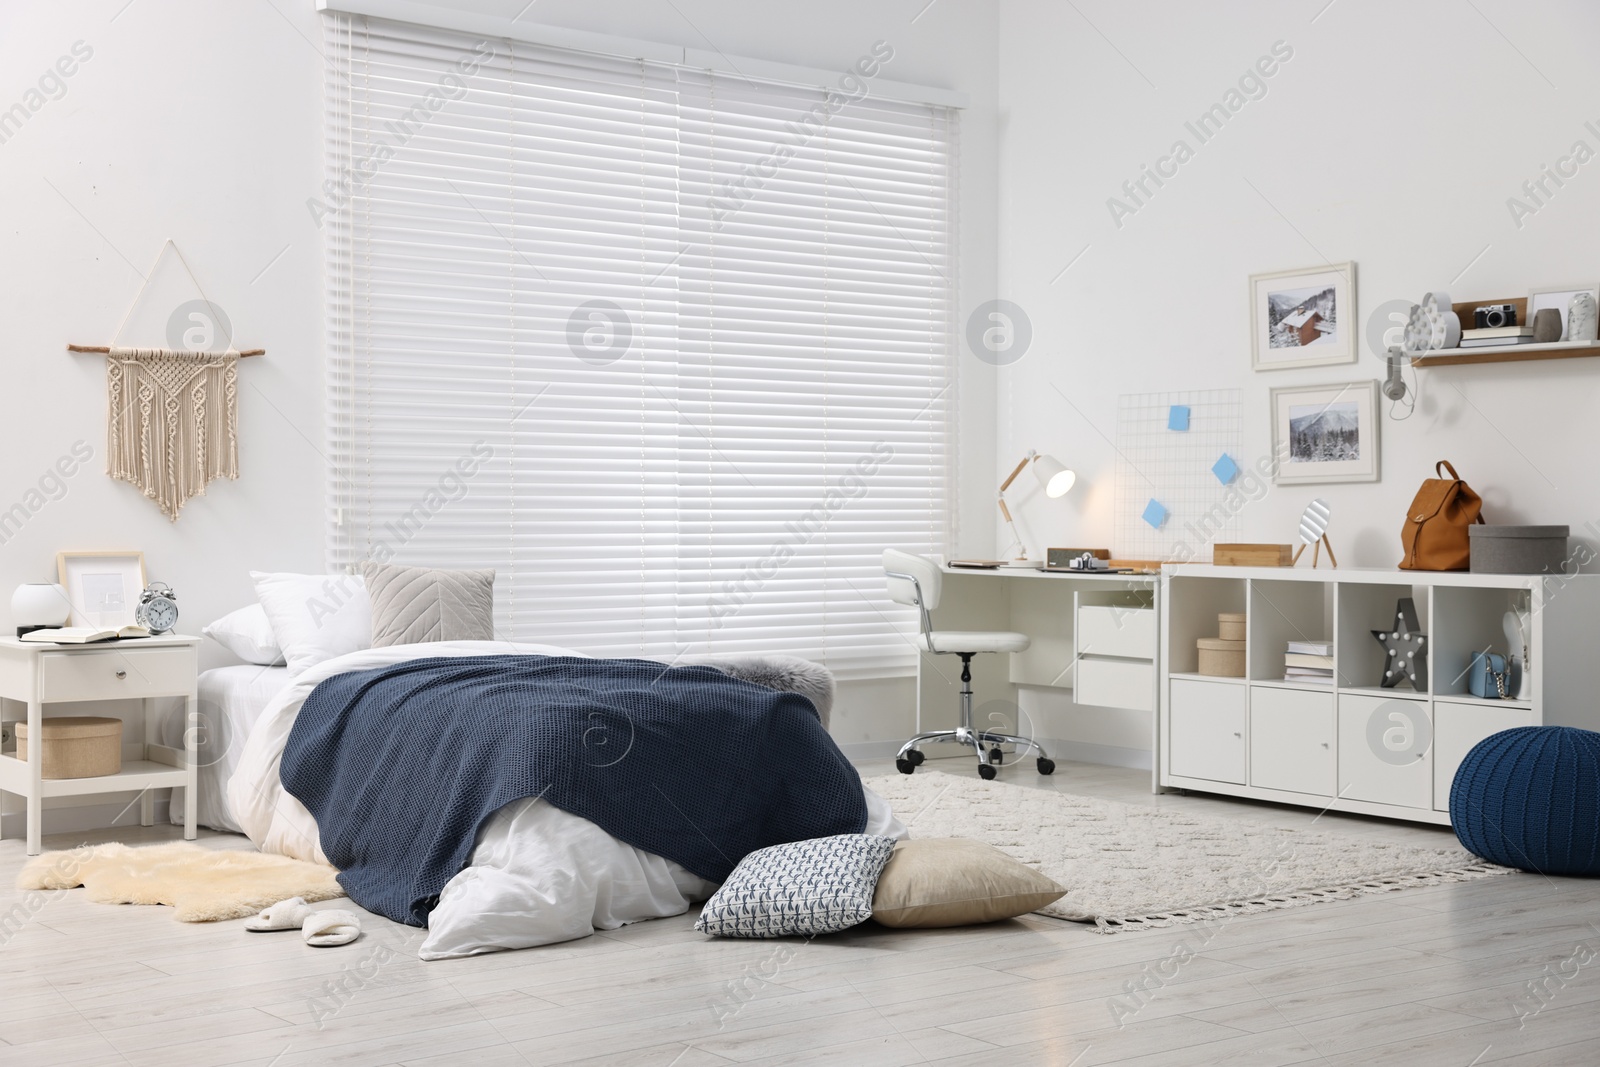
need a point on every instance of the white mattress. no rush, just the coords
(231, 699)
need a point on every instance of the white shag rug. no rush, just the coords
(1127, 866)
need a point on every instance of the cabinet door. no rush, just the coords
(1291, 740)
(1115, 683)
(1457, 727)
(1385, 751)
(1205, 734)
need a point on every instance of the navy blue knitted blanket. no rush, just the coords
(402, 765)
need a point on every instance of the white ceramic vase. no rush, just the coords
(1581, 320)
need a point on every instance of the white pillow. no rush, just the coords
(247, 634)
(316, 616)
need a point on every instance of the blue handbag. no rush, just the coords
(1489, 677)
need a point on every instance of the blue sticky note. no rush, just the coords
(1225, 469)
(1178, 417)
(1154, 514)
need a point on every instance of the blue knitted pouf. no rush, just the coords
(1530, 798)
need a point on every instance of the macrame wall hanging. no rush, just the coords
(172, 415)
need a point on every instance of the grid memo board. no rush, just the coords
(1173, 467)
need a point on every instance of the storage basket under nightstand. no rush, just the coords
(76, 746)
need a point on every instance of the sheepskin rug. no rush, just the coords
(203, 885)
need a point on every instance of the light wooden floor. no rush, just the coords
(1422, 977)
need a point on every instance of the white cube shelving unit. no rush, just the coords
(1355, 746)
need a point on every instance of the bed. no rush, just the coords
(231, 700)
(536, 874)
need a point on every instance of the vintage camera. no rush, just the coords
(1491, 316)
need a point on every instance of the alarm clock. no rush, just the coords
(158, 608)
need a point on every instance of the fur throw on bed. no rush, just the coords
(787, 674)
(202, 884)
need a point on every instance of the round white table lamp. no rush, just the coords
(39, 606)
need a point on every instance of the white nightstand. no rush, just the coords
(139, 669)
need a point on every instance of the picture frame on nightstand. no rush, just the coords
(103, 587)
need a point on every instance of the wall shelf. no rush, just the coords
(1452, 357)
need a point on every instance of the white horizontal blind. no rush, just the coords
(669, 350)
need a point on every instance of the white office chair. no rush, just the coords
(916, 580)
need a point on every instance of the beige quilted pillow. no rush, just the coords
(952, 881)
(418, 604)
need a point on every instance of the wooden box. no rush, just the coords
(1249, 555)
(76, 746)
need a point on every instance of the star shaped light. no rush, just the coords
(1405, 650)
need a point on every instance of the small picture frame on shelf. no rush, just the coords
(1559, 297)
(102, 587)
(1303, 318)
(1325, 433)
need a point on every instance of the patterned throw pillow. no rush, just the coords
(803, 888)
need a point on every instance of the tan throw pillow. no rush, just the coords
(418, 604)
(951, 881)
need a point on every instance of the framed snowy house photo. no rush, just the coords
(1325, 433)
(1303, 318)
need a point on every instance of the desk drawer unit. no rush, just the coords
(116, 674)
(1117, 631)
(1115, 683)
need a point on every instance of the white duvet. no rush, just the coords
(538, 874)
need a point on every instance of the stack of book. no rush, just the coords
(1308, 662)
(1494, 336)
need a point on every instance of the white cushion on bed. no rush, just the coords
(247, 633)
(316, 616)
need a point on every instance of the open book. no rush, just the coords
(82, 635)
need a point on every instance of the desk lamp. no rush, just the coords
(1056, 481)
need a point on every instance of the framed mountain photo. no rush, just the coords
(1325, 433)
(1303, 318)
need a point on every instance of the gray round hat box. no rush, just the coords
(1518, 549)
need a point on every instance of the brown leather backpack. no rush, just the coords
(1435, 532)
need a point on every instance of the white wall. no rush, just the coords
(1393, 137)
(202, 122)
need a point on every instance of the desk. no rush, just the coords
(1104, 622)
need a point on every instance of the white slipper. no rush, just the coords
(329, 929)
(284, 915)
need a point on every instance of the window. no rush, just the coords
(668, 349)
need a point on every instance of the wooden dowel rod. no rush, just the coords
(106, 349)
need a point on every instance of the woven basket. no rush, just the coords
(1220, 658)
(77, 746)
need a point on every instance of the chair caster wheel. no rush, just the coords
(986, 772)
(996, 756)
(1046, 766)
(904, 766)
(915, 757)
